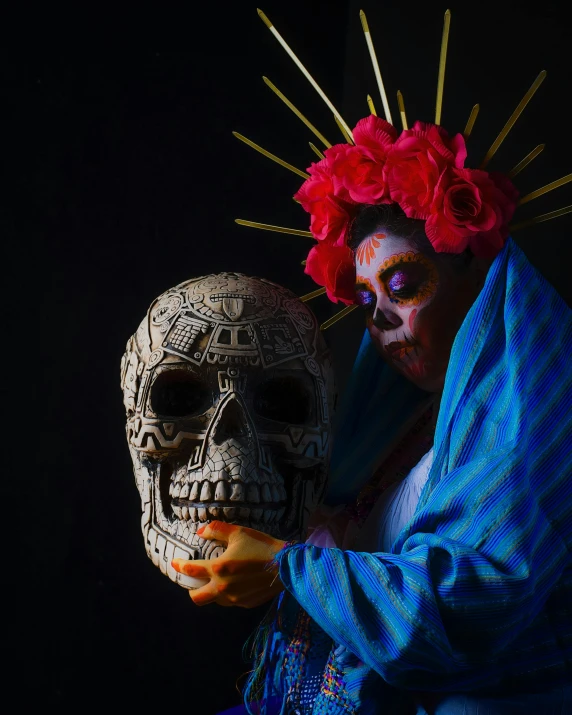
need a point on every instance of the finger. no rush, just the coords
(191, 568)
(219, 530)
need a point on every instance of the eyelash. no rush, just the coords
(404, 292)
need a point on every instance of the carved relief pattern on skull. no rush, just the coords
(228, 389)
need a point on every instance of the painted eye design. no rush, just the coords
(401, 284)
(407, 282)
(366, 299)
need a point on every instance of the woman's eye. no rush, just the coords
(366, 299)
(403, 285)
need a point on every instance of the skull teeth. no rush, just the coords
(261, 506)
(206, 492)
(237, 493)
(258, 517)
(253, 494)
(221, 492)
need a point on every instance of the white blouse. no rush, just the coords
(390, 513)
(393, 509)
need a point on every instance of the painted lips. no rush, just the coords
(398, 349)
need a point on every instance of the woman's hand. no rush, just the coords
(243, 575)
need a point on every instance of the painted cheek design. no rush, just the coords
(412, 319)
(366, 250)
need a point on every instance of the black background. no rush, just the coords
(124, 180)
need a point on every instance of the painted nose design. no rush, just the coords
(384, 316)
(233, 423)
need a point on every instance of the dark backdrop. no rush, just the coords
(124, 180)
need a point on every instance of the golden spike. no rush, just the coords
(297, 112)
(277, 229)
(315, 149)
(545, 189)
(347, 137)
(513, 117)
(338, 316)
(401, 109)
(313, 294)
(271, 156)
(371, 106)
(375, 64)
(471, 122)
(304, 71)
(442, 63)
(526, 161)
(302, 263)
(539, 219)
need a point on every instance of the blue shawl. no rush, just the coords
(476, 592)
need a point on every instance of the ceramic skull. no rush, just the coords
(229, 390)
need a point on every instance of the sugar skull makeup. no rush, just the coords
(414, 305)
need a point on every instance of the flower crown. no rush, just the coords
(422, 171)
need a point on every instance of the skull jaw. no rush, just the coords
(167, 537)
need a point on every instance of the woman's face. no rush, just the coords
(414, 304)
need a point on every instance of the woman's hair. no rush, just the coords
(372, 218)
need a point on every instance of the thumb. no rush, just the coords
(219, 530)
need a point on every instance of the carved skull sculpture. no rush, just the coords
(229, 389)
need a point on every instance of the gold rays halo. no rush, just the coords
(348, 135)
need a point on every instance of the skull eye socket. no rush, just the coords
(283, 399)
(178, 393)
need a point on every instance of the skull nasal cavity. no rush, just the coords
(232, 424)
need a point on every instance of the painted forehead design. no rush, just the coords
(366, 250)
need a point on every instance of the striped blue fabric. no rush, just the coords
(476, 593)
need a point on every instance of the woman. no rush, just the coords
(452, 589)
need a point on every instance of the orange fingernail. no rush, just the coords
(200, 531)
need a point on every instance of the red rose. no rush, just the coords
(358, 170)
(358, 177)
(375, 134)
(329, 215)
(333, 267)
(415, 163)
(471, 208)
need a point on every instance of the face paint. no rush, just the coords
(366, 250)
(409, 278)
(414, 306)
